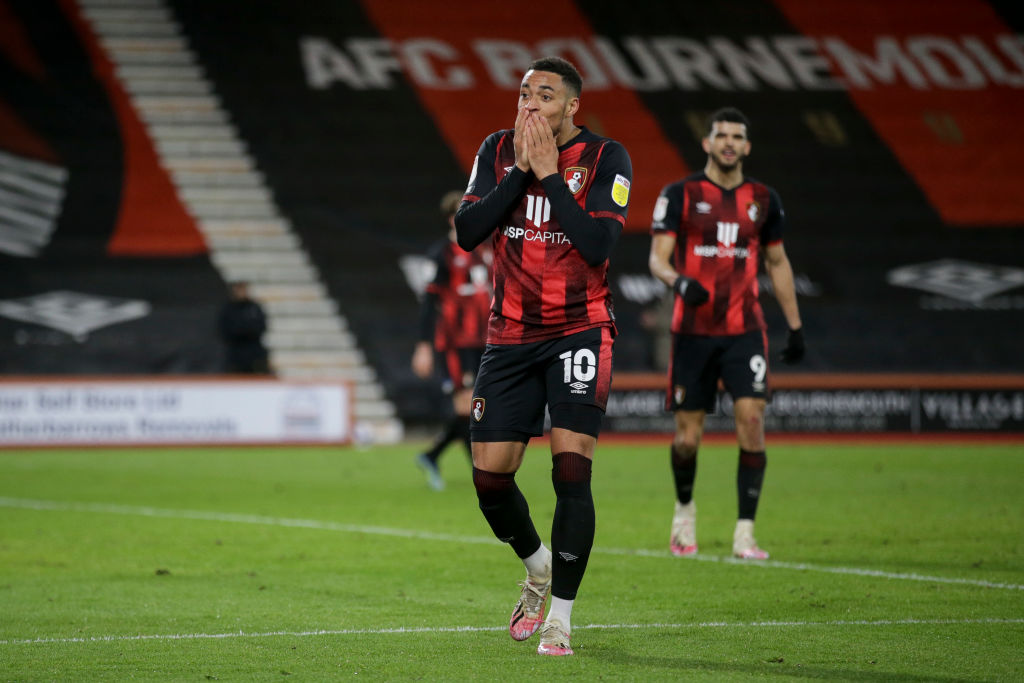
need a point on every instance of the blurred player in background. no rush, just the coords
(709, 232)
(552, 198)
(453, 325)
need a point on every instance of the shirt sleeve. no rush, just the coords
(668, 210)
(487, 201)
(432, 295)
(595, 230)
(592, 237)
(609, 195)
(428, 316)
(775, 220)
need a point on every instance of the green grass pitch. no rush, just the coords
(890, 562)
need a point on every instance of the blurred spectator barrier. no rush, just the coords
(161, 411)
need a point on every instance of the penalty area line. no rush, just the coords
(485, 629)
(141, 511)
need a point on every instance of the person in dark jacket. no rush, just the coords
(242, 324)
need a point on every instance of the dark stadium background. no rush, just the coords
(905, 215)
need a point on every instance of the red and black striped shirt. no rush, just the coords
(543, 287)
(719, 235)
(462, 286)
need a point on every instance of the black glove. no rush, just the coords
(693, 292)
(795, 348)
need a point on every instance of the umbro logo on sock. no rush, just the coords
(568, 557)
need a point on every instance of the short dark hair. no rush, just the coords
(450, 202)
(730, 115)
(564, 68)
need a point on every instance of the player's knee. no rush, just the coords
(683, 455)
(493, 487)
(754, 422)
(685, 445)
(570, 475)
(749, 416)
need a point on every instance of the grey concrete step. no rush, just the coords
(216, 195)
(120, 4)
(373, 409)
(128, 28)
(289, 307)
(187, 180)
(201, 148)
(261, 259)
(148, 13)
(257, 275)
(237, 209)
(324, 359)
(183, 116)
(200, 132)
(242, 227)
(271, 293)
(355, 373)
(314, 340)
(307, 323)
(287, 242)
(208, 164)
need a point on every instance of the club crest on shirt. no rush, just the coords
(753, 210)
(478, 408)
(575, 178)
(620, 190)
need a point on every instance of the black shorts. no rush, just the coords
(699, 361)
(458, 368)
(571, 375)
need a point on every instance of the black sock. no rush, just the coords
(505, 509)
(572, 531)
(684, 471)
(452, 431)
(749, 477)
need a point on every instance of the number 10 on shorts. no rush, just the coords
(579, 368)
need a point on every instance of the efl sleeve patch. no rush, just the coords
(620, 190)
(660, 209)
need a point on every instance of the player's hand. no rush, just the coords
(423, 360)
(519, 140)
(540, 147)
(795, 348)
(693, 292)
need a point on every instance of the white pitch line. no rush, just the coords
(482, 629)
(35, 504)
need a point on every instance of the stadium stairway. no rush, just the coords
(218, 182)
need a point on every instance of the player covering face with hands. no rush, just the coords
(552, 198)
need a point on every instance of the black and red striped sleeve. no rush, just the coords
(487, 202)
